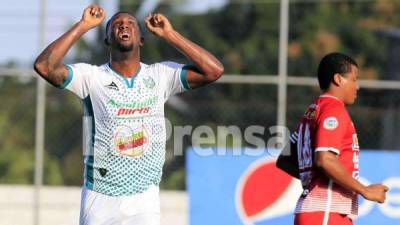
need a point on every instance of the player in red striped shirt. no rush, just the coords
(328, 151)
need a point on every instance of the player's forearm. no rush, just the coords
(335, 170)
(52, 56)
(210, 66)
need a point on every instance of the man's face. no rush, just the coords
(350, 85)
(123, 32)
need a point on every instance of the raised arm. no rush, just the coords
(48, 64)
(206, 68)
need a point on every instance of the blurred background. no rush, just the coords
(270, 49)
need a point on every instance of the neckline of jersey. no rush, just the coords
(126, 79)
(133, 75)
(331, 96)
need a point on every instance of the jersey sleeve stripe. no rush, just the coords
(89, 159)
(328, 203)
(183, 79)
(325, 149)
(69, 78)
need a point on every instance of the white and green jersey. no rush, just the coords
(123, 122)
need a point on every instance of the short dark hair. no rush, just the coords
(117, 13)
(332, 64)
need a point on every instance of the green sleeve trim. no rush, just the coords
(184, 81)
(69, 78)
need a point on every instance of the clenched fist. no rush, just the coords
(158, 24)
(93, 16)
(376, 193)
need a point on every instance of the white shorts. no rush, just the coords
(138, 209)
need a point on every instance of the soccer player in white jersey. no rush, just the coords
(124, 112)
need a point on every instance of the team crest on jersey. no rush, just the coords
(331, 123)
(310, 113)
(132, 142)
(149, 82)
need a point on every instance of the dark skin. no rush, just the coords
(344, 87)
(124, 42)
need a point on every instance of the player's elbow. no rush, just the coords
(41, 68)
(320, 163)
(215, 73)
(323, 160)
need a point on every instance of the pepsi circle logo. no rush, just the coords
(265, 192)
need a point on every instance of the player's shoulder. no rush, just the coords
(150, 69)
(330, 106)
(86, 66)
(163, 68)
(166, 65)
(330, 103)
(82, 69)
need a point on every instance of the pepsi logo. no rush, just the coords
(265, 192)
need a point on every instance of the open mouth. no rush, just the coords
(124, 36)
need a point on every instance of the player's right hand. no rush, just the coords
(93, 16)
(376, 193)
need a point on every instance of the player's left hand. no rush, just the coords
(158, 24)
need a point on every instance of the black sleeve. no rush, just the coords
(287, 160)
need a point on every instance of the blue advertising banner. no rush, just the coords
(232, 188)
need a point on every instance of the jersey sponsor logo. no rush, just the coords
(133, 105)
(131, 142)
(355, 144)
(149, 83)
(129, 113)
(112, 86)
(356, 149)
(132, 109)
(331, 123)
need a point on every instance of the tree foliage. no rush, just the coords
(245, 37)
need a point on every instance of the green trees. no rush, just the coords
(245, 36)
